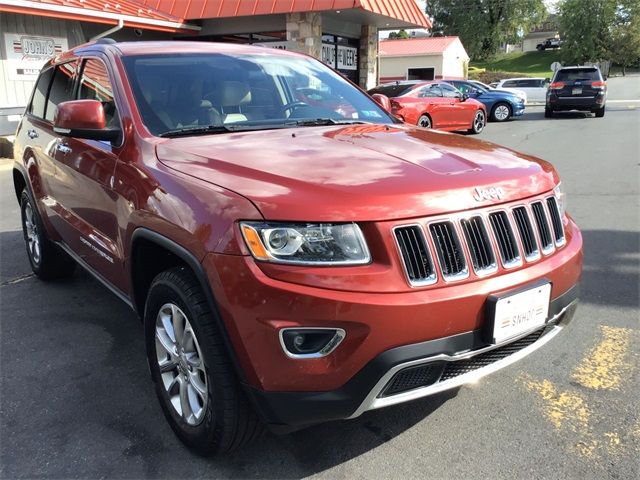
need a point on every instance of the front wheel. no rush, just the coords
(501, 112)
(194, 378)
(479, 122)
(425, 121)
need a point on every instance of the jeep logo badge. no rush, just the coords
(493, 193)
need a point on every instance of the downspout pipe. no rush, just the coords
(106, 33)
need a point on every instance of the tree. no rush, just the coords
(483, 25)
(596, 30)
(402, 34)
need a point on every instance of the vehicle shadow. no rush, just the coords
(76, 390)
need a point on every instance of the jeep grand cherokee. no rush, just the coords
(296, 253)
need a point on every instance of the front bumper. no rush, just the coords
(453, 361)
(518, 110)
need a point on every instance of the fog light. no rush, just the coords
(310, 342)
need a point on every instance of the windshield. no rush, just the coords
(211, 93)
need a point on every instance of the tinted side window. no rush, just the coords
(531, 83)
(449, 91)
(391, 90)
(95, 85)
(430, 91)
(509, 84)
(39, 99)
(61, 89)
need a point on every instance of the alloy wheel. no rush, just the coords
(424, 122)
(181, 364)
(33, 237)
(501, 113)
(478, 121)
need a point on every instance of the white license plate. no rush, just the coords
(521, 312)
(576, 91)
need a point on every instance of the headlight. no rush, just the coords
(561, 198)
(306, 243)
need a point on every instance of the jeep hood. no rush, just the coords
(357, 173)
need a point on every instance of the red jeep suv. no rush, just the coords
(293, 262)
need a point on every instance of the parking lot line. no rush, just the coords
(604, 367)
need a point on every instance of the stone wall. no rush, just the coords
(305, 31)
(368, 57)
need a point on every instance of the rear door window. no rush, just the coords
(533, 83)
(430, 91)
(509, 84)
(61, 89)
(391, 90)
(449, 91)
(39, 99)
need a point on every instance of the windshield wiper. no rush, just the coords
(314, 122)
(196, 130)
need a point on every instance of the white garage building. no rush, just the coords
(428, 58)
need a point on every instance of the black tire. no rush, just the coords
(425, 121)
(500, 107)
(600, 112)
(548, 113)
(479, 122)
(47, 260)
(228, 421)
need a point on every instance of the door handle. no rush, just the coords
(62, 148)
(32, 133)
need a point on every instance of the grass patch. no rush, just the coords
(528, 64)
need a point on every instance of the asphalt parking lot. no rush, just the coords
(76, 400)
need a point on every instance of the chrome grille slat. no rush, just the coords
(449, 250)
(527, 236)
(482, 257)
(543, 227)
(416, 259)
(507, 245)
(556, 221)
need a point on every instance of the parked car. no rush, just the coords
(551, 43)
(515, 91)
(433, 104)
(501, 105)
(535, 88)
(577, 88)
(291, 265)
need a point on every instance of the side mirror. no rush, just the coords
(383, 101)
(547, 80)
(83, 119)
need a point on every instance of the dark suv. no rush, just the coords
(577, 88)
(296, 253)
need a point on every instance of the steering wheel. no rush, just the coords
(292, 106)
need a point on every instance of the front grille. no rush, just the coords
(556, 221)
(449, 250)
(473, 238)
(504, 236)
(543, 227)
(436, 372)
(475, 234)
(415, 255)
(528, 238)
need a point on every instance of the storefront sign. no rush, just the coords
(347, 58)
(26, 54)
(286, 45)
(329, 54)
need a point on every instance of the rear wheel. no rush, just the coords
(501, 112)
(424, 121)
(479, 122)
(47, 261)
(194, 379)
(548, 113)
(599, 113)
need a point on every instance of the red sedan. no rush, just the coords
(434, 105)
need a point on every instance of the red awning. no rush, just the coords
(406, 11)
(134, 14)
